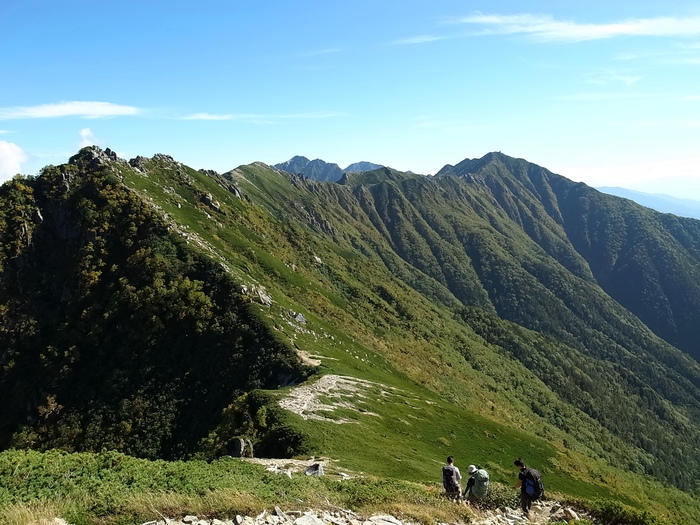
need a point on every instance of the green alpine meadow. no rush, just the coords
(154, 318)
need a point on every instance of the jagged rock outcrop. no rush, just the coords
(139, 163)
(242, 448)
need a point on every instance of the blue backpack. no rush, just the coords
(534, 487)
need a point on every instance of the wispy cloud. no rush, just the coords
(684, 61)
(264, 118)
(677, 54)
(68, 109)
(604, 79)
(545, 27)
(11, 158)
(420, 39)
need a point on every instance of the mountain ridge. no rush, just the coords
(497, 273)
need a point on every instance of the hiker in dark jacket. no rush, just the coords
(451, 478)
(529, 483)
(525, 501)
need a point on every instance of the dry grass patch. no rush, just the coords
(33, 513)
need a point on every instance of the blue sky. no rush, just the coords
(607, 93)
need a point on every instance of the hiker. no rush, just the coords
(451, 478)
(477, 485)
(530, 484)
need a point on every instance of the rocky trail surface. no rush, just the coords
(541, 513)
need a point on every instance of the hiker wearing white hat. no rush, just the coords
(477, 485)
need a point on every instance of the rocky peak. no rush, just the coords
(92, 157)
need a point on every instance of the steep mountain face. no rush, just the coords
(502, 289)
(629, 249)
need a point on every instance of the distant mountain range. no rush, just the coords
(321, 170)
(658, 201)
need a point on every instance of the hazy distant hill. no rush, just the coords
(362, 166)
(658, 201)
(496, 309)
(314, 169)
(322, 171)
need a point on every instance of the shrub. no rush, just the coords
(499, 495)
(615, 513)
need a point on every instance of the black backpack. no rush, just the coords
(449, 479)
(534, 487)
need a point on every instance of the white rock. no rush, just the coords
(570, 514)
(385, 518)
(308, 519)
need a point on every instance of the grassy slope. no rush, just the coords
(406, 442)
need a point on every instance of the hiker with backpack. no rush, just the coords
(530, 484)
(477, 485)
(451, 478)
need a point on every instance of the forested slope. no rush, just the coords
(115, 333)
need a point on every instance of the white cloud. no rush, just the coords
(208, 116)
(87, 138)
(68, 109)
(545, 27)
(263, 118)
(420, 39)
(11, 158)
